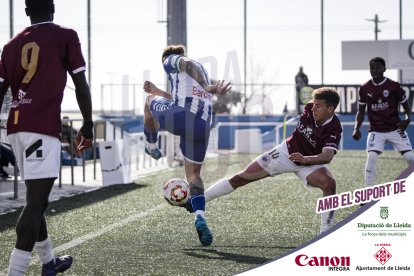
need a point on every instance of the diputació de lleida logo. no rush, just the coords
(384, 212)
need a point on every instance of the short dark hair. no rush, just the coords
(40, 7)
(377, 59)
(328, 94)
(178, 49)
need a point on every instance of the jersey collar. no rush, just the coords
(381, 83)
(327, 122)
(46, 22)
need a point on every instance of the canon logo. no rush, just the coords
(303, 260)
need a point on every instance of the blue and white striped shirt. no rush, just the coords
(186, 91)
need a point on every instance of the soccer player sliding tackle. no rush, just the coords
(312, 145)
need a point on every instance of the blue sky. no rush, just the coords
(281, 36)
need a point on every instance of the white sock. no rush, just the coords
(371, 169)
(201, 213)
(19, 262)
(409, 157)
(327, 220)
(221, 188)
(152, 146)
(44, 250)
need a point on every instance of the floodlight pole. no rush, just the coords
(322, 42)
(245, 57)
(11, 18)
(89, 45)
(401, 19)
(400, 71)
(15, 183)
(177, 22)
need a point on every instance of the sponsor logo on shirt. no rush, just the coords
(379, 106)
(21, 99)
(200, 93)
(21, 94)
(307, 133)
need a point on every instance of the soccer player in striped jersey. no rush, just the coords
(187, 112)
(312, 145)
(34, 64)
(382, 97)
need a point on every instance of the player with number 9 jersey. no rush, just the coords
(46, 52)
(34, 64)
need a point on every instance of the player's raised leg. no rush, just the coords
(151, 127)
(251, 173)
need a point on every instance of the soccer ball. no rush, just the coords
(176, 191)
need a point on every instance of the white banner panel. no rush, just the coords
(398, 54)
(408, 76)
(377, 239)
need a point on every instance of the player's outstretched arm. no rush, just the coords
(84, 137)
(152, 89)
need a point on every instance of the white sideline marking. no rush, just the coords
(100, 232)
(106, 229)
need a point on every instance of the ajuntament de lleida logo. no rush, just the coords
(384, 212)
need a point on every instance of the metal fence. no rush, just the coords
(107, 130)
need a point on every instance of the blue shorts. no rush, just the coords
(194, 132)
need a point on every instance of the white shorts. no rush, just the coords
(37, 155)
(276, 161)
(376, 141)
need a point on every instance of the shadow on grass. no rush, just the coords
(9, 220)
(216, 254)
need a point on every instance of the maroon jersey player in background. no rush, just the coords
(34, 64)
(382, 97)
(306, 152)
